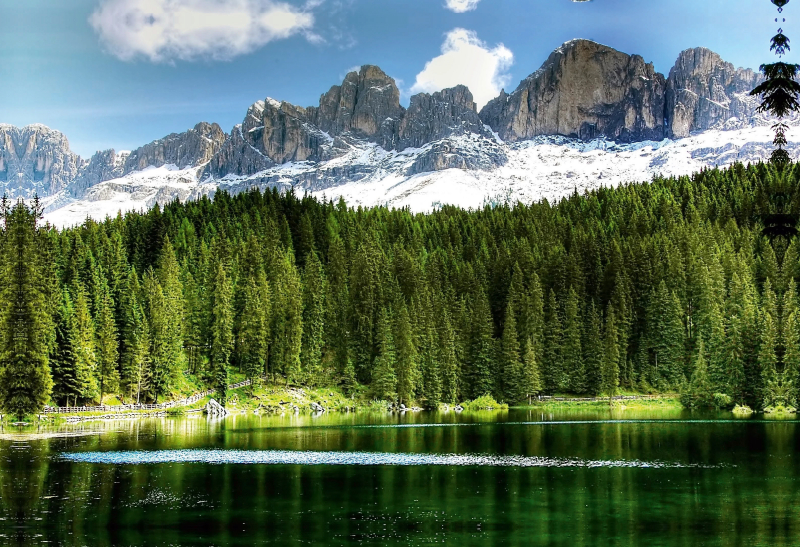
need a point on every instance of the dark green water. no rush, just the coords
(519, 478)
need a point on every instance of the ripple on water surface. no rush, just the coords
(290, 457)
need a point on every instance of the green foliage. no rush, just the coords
(698, 394)
(484, 402)
(609, 291)
(25, 325)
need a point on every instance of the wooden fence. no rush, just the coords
(546, 398)
(124, 408)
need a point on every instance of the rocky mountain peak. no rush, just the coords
(35, 160)
(704, 92)
(584, 90)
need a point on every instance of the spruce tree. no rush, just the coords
(407, 358)
(25, 380)
(314, 292)
(610, 363)
(513, 385)
(82, 334)
(699, 393)
(554, 376)
(790, 336)
(572, 352)
(448, 362)
(384, 378)
(532, 378)
(593, 351)
(66, 387)
(221, 332)
(252, 339)
(161, 356)
(107, 345)
(169, 275)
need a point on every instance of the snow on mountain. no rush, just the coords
(368, 175)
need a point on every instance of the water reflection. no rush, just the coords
(734, 485)
(288, 457)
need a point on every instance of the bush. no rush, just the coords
(484, 402)
(723, 401)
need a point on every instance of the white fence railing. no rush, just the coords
(125, 408)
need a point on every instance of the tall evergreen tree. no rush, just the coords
(107, 344)
(407, 358)
(384, 384)
(513, 385)
(314, 292)
(25, 380)
(222, 332)
(610, 363)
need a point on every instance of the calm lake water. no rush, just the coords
(510, 478)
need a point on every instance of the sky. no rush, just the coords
(121, 73)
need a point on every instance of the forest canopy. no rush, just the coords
(653, 287)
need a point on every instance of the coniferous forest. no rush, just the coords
(668, 286)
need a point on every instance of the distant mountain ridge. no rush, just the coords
(583, 91)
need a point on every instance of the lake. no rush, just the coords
(504, 478)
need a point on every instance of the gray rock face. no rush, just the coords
(365, 107)
(35, 160)
(192, 148)
(367, 104)
(440, 115)
(703, 92)
(102, 166)
(584, 90)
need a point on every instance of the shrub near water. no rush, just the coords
(484, 402)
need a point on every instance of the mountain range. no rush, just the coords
(590, 116)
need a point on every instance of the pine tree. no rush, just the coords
(610, 364)
(384, 378)
(734, 353)
(572, 352)
(532, 378)
(480, 353)
(252, 339)
(107, 345)
(790, 337)
(314, 292)
(448, 361)
(699, 392)
(81, 331)
(169, 275)
(134, 340)
(25, 380)
(555, 378)
(160, 352)
(593, 351)
(513, 386)
(66, 387)
(222, 332)
(407, 358)
(767, 356)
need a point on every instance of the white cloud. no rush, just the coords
(165, 30)
(462, 6)
(467, 60)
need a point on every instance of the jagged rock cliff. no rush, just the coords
(35, 160)
(705, 92)
(583, 90)
(359, 129)
(194, 147)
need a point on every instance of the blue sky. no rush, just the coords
(120, 73)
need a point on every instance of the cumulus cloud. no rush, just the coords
(467, 60)
(461, 6)
(166, 30)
